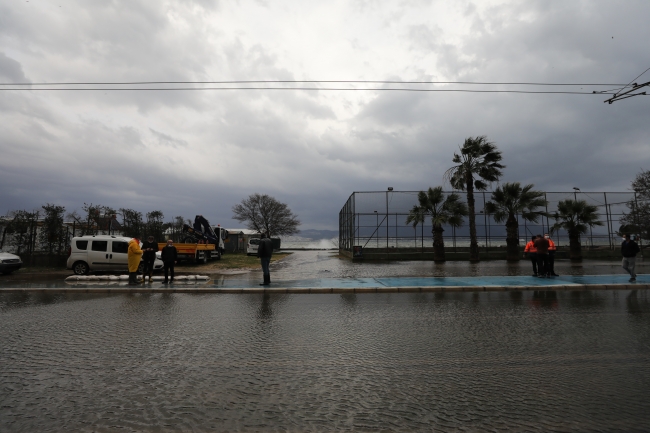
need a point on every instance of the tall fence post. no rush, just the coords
(609, 232)
(636, 221)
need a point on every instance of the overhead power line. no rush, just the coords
(255, 85)
(382, 89)
(122, 83)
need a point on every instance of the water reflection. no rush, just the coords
(523, 361)
(265, 312)
(544, 299)
(638, 304)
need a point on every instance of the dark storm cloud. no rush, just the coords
(190, 152)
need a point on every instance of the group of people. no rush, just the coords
(147, 253)
(541, 250)
(169, 257)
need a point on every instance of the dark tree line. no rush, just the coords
(50, 229)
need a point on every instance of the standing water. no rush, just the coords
(531, 361)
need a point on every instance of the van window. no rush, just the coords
(120, 247)
(82, 245)
(254, 241)
(99, 246)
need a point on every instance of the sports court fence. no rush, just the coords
(377, 220)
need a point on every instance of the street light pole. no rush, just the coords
(390, 188)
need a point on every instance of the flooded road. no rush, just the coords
(521, 360)
(325, 264)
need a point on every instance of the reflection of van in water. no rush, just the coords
(251, 248)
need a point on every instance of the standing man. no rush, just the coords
(532, 253)
(629, 250)
(542, 256)
(149, 250)
(264, 252)
(134, 254)
(551, 255)
(169, 255)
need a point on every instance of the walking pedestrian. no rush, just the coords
(169, 256)
(629, 250)
(134, 254)
(531, 251)
(149, 250)
(264, 252)
(542, 256)
(551, 255)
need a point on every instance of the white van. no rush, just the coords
(251, 248)
(102, 253)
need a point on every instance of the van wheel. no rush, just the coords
(80, 268)
(141, 268)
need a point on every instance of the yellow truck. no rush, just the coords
(197, 253)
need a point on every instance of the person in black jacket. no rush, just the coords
(169, 255)
(264, 252)
(629, 250)
(149, 250)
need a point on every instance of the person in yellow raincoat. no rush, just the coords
(134, 256)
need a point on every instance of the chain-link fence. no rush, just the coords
(377, 220)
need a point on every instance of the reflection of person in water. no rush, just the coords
(265, 312)
(544, 299)
(633, 306)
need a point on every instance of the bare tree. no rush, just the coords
(264, 213)
(132, 224)
(53, 235)
(637, 221)
(21, 231)
(90, 222)
(154, 225)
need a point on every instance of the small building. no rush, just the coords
(238, 239)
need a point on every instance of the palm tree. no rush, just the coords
(575, 216)
(510, 200)
(442, 210)
(477, 165)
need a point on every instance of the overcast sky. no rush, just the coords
(202, 151)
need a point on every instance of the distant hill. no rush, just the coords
(318, 234)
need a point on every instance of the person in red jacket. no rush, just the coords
(551, 255)
(531, 251)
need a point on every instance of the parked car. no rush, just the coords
(102, 253)
(251, 248)
(9, 263)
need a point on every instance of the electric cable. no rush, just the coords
(114, 83)
(378, 89)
